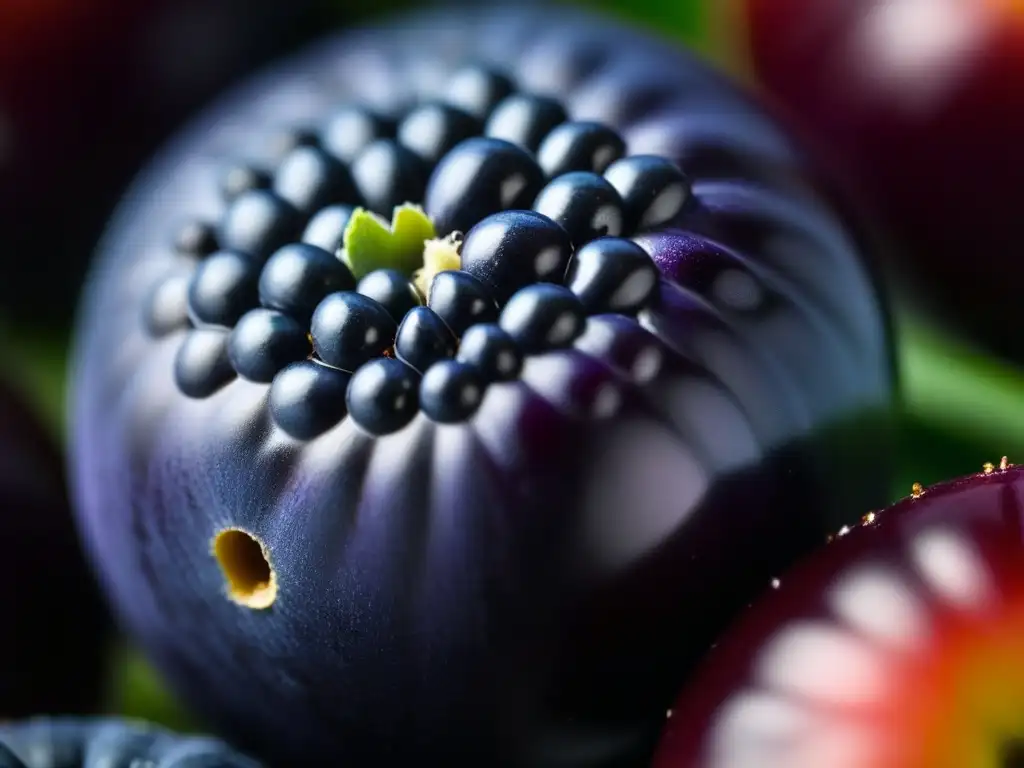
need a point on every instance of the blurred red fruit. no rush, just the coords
(921, 104)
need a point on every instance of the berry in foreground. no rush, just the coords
(897, 644)
(654, 190)
(105, 742)
(264, 342)
(584, 204)
(223, 288)
(298, 277)
(348, 329)
(512, 249)
(516, 553)
(612, 274)
(382, 396)
(479, 177)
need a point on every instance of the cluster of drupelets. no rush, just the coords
(271, 294)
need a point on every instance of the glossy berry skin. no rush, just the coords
(543, 316)
(223, 288)
(348, 329)
(382, 396)
(257, 223)
(392, 290)
(298, 277)
(49, 593)
(423, 339)
(654, 190)
(899, 640)
(326, 229)
(579, 146)
(103, 742)
(202, 365)
(351, 129)
(431, 130)
(477, 89)
(461, 300)
(584, 204)
(307, 398)
(451, 392)
(531, 586)
(612, 274)
(491, 351)
(264, 341)
(511, 249)
(310, 179)
(525, 120)
(388, 175)
(860, 100)
(479, 177)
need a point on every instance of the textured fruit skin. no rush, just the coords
(48, 593)
(881, 596)
(863, 85)
(459, 591)
(102, 742)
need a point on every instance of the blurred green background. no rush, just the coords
(962, 407)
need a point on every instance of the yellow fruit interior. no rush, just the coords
(245, 563)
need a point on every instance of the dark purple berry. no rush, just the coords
(525, 119)
(223, 288)
(479, 177)
(584, 204)
(511, 249)
(388, 175)
(392, 290)
(654, 191)
(166, 308)
(432, 129)
(308, 398)
(259, 222)
(240, 178)
(612, 274)
(461, 300)
(310, 179)
(348, 329)
(477, 89)
(201, 365)
(327, 228)
(543, 316)
(423, 339)
(579, 146)
(196, 238)
(264, 341)
(624, 345)
(351, 129)
(383, 395)
(451, 392)
(297, 278)
(492, 351)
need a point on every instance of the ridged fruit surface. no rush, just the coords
(918, 102)
(103, 742)
(47, 593)
(407, 550)
(895, 646)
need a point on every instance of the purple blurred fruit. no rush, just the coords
(56, 628)
(921, 104)
(898, 645)
(521, 568)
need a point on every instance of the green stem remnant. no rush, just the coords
(408, 244)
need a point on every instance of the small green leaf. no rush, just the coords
(370, 243)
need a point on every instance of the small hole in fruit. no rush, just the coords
(245, 562)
